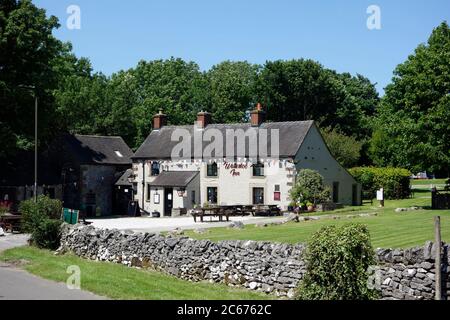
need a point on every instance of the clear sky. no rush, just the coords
(116, 34)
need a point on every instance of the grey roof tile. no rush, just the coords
(159, 144)
(174, 178)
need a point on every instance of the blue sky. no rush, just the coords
(115, 34)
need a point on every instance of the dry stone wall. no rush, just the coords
(264, 266)
(409, 274)
(269, 267)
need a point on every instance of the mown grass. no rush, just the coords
(388, 229)
(420, 182)
(120, 282)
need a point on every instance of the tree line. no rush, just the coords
(407, 127)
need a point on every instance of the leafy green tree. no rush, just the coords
(345, 149)
(232, 87)
(81, 97)
(412, 126)
(174, 86)
(305, 90)
(309, 187)
(28, 52)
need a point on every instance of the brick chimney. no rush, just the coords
(203, 119)
(257, 116)
(159, 120)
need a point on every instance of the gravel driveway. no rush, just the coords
(147, 224)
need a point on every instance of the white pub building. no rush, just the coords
(179, 167)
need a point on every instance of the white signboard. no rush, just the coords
(380, 194)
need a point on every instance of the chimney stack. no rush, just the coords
(159, 120)
(257, 116)
(203, 119)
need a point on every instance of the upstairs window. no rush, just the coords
(258, 169)
(155, 168)
(211, 170)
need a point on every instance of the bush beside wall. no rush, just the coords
(337, 260)
(43, 220)
(394, 181)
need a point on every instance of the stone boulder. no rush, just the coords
(236, 225)
(201, 231)
(176, 232)
(292, 217)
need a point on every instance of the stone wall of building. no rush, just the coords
(265, 266)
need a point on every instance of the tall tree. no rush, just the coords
(413, 123)
(174, 86)
(304, 90)
(232, 87)
(27, 55)
(81, 96)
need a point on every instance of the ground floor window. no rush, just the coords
(258, 195)
(211, 194)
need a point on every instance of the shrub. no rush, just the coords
(34, 213)
(337, 262)
(394, 181)
(309, 187)
(47, 234)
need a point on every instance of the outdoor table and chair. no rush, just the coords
(228, 211)
(11, 222)
(211, 212)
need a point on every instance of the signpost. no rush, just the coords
(380, 197)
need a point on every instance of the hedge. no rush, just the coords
(394, 181)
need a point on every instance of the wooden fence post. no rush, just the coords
(437, 263)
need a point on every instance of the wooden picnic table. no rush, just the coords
(228, 211)
(11, 222)
(211, 212)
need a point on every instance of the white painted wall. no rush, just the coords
(238, 189)
(314, 154)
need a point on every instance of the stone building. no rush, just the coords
(80, 170)
(178, 167)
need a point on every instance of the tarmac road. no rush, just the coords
(17, 284)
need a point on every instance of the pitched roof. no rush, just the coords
(123, 179)
(99, 149)
(158, 144)
(174, 178)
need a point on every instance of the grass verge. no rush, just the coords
(120, 282)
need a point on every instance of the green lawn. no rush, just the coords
(120, 282)
(418, 182)
(387, 229)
